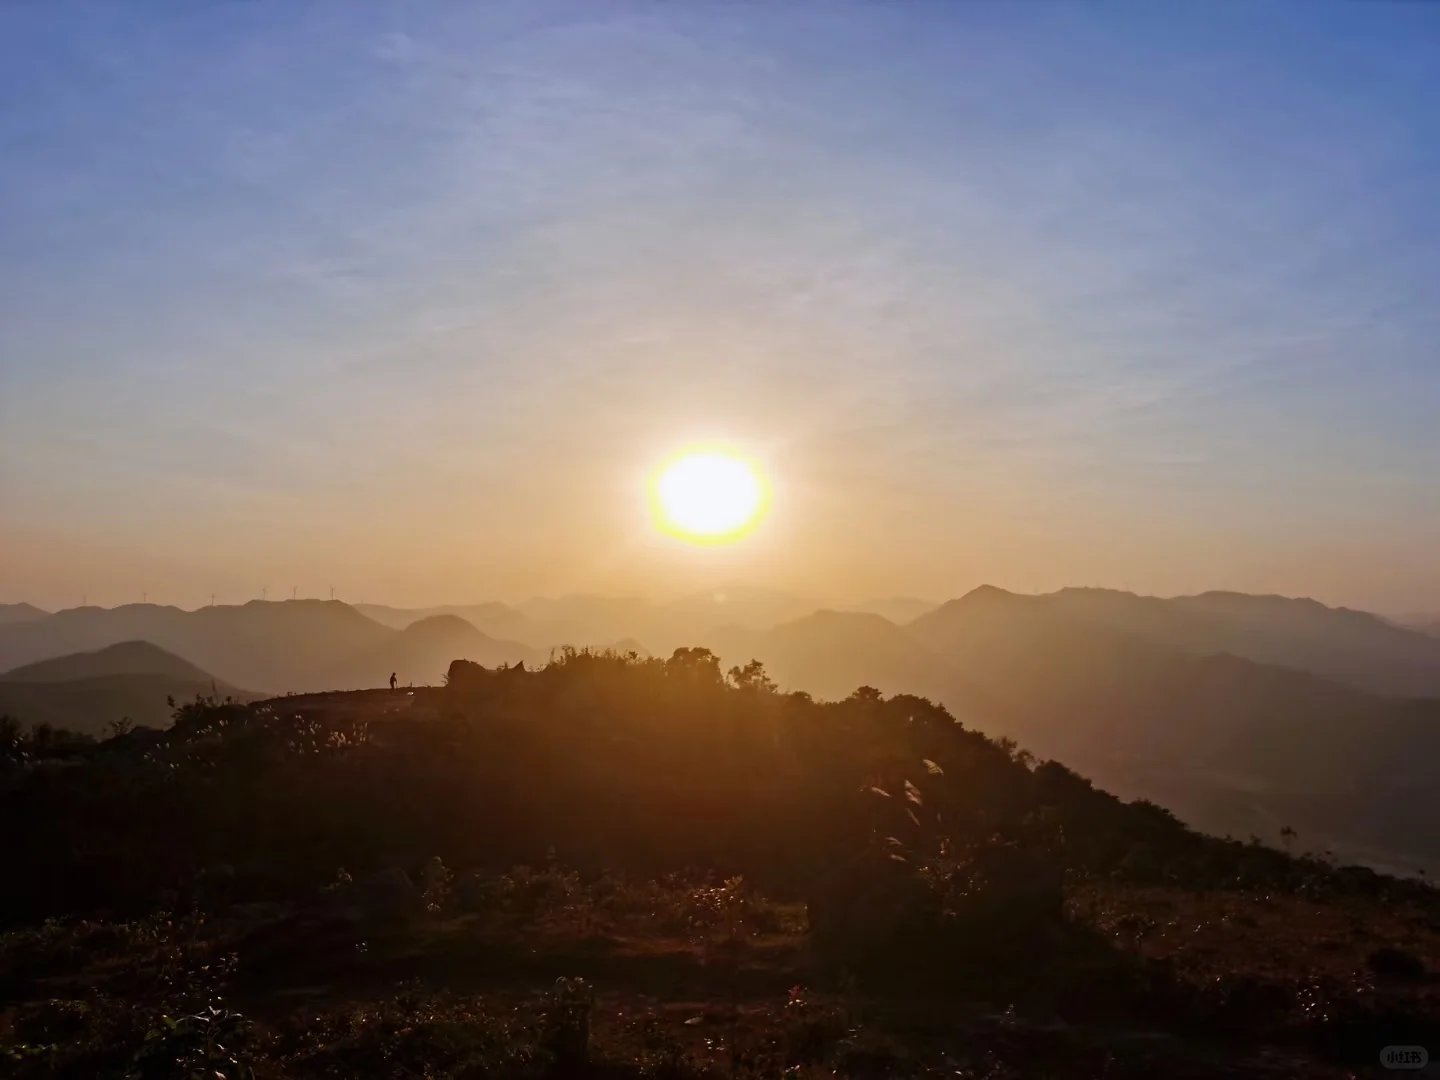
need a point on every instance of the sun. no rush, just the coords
(708, 496)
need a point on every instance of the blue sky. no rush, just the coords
(409, 296)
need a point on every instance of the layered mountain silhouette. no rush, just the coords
(1039, 669)
(292, 645)
(544, 623)
(1238, 712)
(1065, 684)
(1178, 701)
(87, 692)
(1350, 646)
(495, 619)
(602, 621)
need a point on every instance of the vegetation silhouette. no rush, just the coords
(617, 761)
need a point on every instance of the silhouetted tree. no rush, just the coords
(752, 677)
(12, 739)
(698, 665)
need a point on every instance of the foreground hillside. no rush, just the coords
(743, 882)
(1242, 714)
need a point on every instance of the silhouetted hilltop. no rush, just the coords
(126, 658)
(1022, 649)
(88, 692)
(21, 613)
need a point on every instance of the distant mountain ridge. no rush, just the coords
(275, 647)
(492, 618)
(544, 623)
(1355, 647)
(290, 644)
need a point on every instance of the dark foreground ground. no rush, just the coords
(448, 973)
(691, 979)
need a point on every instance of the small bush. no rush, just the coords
(1392, 963)
(567, 1022)
(212, 1044)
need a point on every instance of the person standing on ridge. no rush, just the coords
(392, 682)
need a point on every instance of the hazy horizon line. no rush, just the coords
(820, 603)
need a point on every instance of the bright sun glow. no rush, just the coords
(708, 497)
